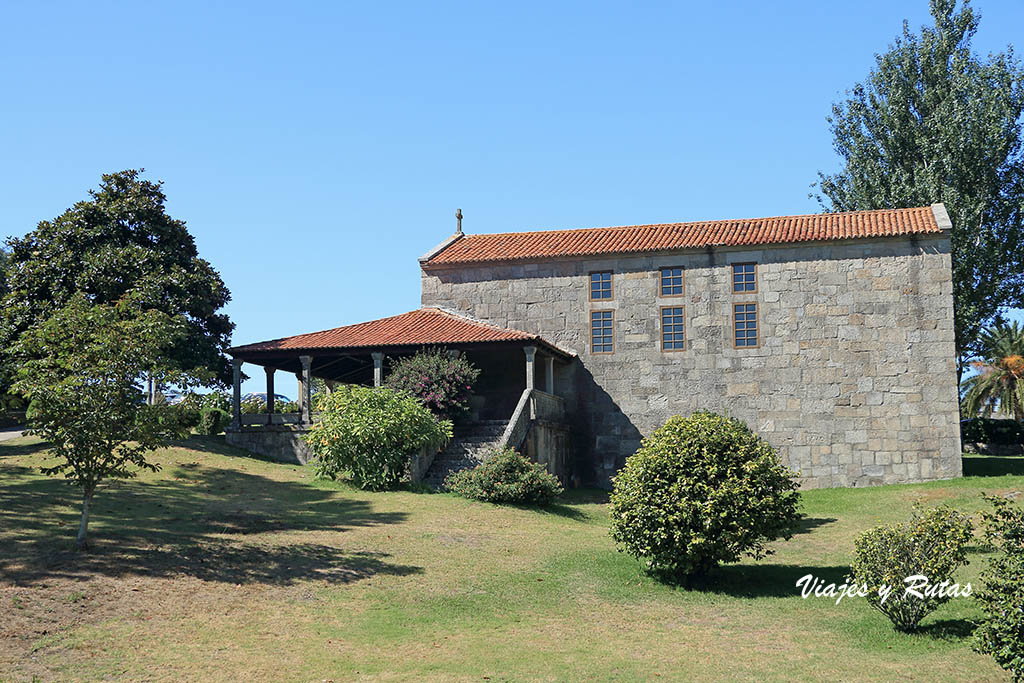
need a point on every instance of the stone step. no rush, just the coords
(466, 450)
(492, 435)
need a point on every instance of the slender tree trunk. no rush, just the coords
(83, 526)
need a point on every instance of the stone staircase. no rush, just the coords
(466, 449)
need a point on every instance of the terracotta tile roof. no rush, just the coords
(423, 327)
(515, 246)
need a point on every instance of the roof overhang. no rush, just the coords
(402, 334)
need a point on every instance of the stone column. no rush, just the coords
(307, 385)
(270, 390)
(549, 374)
(378, 368)
(454, 354)
(298, 388)
(531, 354)
(236, 393)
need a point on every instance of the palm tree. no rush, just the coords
(999, 382)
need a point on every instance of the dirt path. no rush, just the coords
(10, 433)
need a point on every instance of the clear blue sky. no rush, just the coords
(317, 149)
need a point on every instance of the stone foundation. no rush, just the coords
(282, 443)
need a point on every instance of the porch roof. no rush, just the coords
(426, 326)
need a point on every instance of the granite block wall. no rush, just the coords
(853, 380)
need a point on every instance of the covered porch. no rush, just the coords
(521, 375)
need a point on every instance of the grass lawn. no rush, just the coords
(232, 568)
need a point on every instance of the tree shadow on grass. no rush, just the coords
(948, 629)
(561, 510)
(199, 521)
(808, 524)
(766, 580)
(993, 465)
(585, 497)
(11, 450)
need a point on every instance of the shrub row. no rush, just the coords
(991, 431)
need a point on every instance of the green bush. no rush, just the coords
(931, 544)
(370, 434)
(504, 476)
(1001, 634)
(187, 418)
(702, 491)
(441, 382)
(991, 431)
(212, 421)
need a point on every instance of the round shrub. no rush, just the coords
(441, 382)
(504, 476)
(702, 491)
(370, 434)
(932, 544)
(212, 421)
(1001, 634)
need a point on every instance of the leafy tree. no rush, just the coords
(702, 491)
(4, 264)
(81, 370)
(935, 123)
(370, 434)
(999, 382)
(1001, 634)
(121, 240)
(7, 400)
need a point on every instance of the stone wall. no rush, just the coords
(279, 442)
(853, 381)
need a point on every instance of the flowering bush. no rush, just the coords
(370, 434)
(931, 544)
(441, 382)
(1002, 599)
(701, 491)
(505, 477)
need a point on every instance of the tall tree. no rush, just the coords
(120, 240)
(4, 258)
(81, 368)
(999, 380)
(933, 122)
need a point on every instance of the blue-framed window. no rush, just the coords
(602, 335)
(671, 281)
(601, 285)
(673, 328)
(744, 277)
(745, 325)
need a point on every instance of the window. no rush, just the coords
(673, 328)
(744, 277)
(745, 325)
(671, 281)
(601, 334)
(601, 285)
